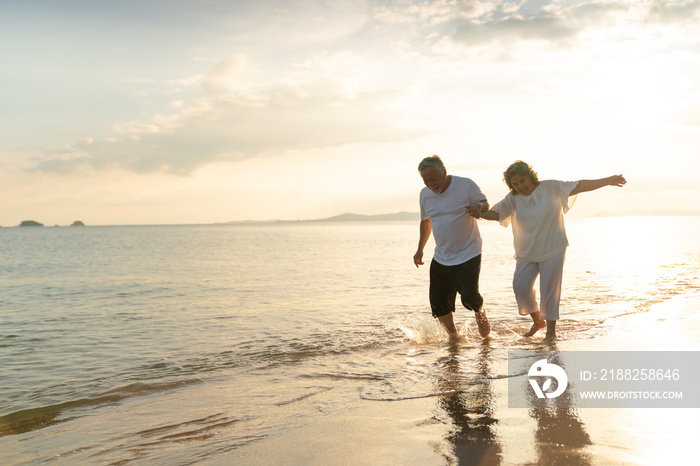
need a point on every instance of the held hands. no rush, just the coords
(474, 210)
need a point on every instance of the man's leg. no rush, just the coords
(442, 296)
(469, 292)
(483, 323)
(449, 323)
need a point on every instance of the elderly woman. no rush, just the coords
(536, 209)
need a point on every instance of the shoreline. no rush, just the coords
(476, 423)
(473, 424)
(453, 410)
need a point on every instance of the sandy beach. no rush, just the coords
(451, 420)
(473, 424)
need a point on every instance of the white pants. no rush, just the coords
(550, 272)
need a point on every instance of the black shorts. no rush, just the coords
(447, 280)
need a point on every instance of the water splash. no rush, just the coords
(422, 331)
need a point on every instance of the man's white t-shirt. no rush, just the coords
(538, 219)
(456, 233)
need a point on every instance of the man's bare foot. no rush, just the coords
(535, 328)
(549, 337)
(483, 323)
(454, 337)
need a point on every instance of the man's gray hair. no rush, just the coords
(432, 161)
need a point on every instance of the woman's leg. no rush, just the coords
(551, 274)
(523, 287)
(523, 283)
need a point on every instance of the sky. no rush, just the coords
(173, 111)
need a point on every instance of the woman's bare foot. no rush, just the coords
(535, 328)
(551, 334)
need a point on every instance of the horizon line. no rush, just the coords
(348, 217)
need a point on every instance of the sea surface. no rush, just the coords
(105, 332)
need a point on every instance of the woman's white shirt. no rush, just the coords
(538, 219)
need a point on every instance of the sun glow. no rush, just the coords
(636, 257)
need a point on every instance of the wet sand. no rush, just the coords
(473, 424)
(452, 419)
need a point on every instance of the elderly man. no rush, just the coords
(448, 205)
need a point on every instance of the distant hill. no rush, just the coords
(415, 216)
(347, 217)
(371, 218)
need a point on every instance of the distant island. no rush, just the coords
(31, 223)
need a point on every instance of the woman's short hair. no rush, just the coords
(432, 161)
(522, 169)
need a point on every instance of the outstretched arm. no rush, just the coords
(591, 185)
(425, 229)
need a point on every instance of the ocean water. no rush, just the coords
(187, 344)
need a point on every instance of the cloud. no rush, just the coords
(225, 78)
(475, 23)
(479, 23)
(673, 11)
(339, 99)
(189, 82)
(551, 22)
(139, 80)
(433, 12)
(546, 27)
(272, 119)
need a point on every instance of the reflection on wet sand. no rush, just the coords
(469, 401)
(561, 437)
(471, 408)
